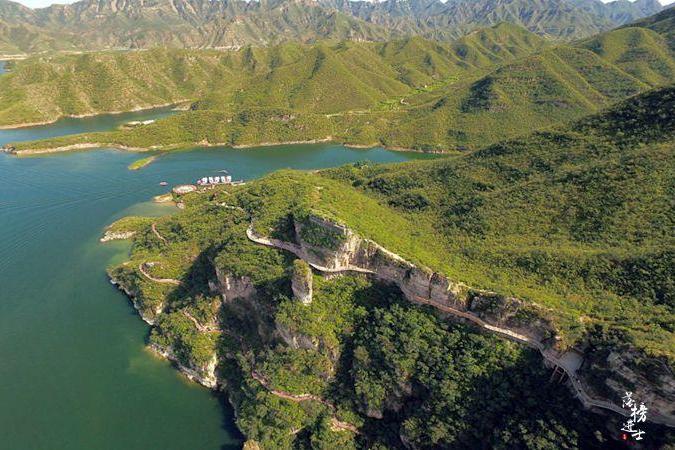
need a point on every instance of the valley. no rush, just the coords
(414, 94)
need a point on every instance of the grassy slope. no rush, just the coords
(663, 23)
(596, 241)
(46, 88)
(319, 78)
(577, 219)
(412, 93)
(640, 52)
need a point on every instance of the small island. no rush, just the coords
(140, 163)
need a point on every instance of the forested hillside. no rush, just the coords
(492, 84)
(577, 220)
(320, 78)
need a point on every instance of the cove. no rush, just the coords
(75, 372)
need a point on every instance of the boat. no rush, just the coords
(163, 183)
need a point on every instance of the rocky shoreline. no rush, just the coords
(117, 236)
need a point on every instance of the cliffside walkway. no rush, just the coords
(159, 236)
(337, 424)
(141, 268)
(564, 361)
(201, 328)
(298, 251)
(568, 364)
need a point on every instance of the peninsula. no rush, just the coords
(327, 296)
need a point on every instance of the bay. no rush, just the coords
(74, 369)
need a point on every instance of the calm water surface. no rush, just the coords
(74, 371)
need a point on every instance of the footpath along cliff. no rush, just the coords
(333, 248)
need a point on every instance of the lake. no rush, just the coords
(74, 371)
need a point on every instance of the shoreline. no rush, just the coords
(103, 113)
(75, 147)
(202, 144)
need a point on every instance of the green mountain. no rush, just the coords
(565, 235)
(663, 23)
(638, 51)
(487, 86)
(115, 24)
(323, 78)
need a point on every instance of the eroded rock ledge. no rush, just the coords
(330, 247)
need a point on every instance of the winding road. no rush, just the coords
(305, 397)
(141, 268)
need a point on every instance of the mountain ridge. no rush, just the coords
(413, 93)
(128, 24)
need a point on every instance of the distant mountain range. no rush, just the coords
(130, 24)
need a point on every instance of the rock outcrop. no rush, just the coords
(333, 248)
(650, 379)
(147, 313)
(232, 287)
(117, 236)
(204, 375)
(294, 339)
(339, 249)
(301, 282)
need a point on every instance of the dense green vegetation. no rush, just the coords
(129, 224)
(578, 219)
(140, 163)
(370, 342)
(491, 85)
(322, 78)
(595, 242)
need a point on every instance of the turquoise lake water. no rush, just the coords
(74, 371)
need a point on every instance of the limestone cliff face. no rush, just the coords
(301, 282)
(294, 339)
(344, 250)
(651, 381)
(522, 317)
(232, 287)
(334, 248)
(202, 374)
(147, 313)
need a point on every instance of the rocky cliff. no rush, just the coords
(334, 248)
(202, 374)
(301, 282)
(231, 287)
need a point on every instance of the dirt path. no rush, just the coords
(159, 236)
(199, 326)
(141, 268)
(335, 422)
